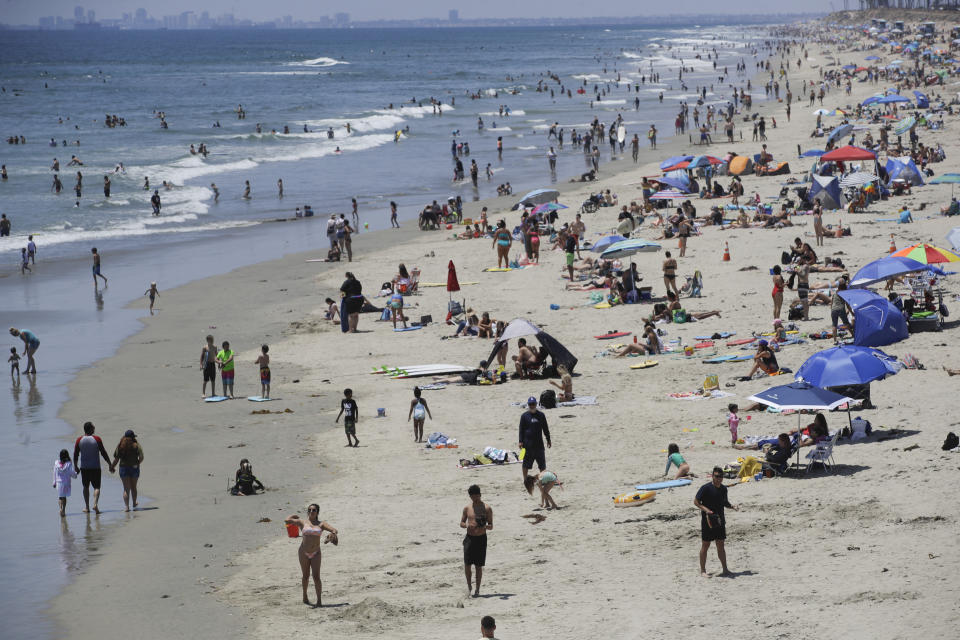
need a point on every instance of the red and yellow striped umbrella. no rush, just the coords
(927, 254)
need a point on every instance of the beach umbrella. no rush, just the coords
(884, 269)
(904, 125)
(606, 241)
(668, 194)
(872, 58)
(670, 162)
(628, 248)
(927, 254)
(953, 237)
(876, 320)
(538, 196)
(946, 178)
(840, 132)
(847, 365)
(549, 206)
(452, 283)
(848, 152)
(703, 161)
(821, 112)
(849, 66)
(870, 100)
(857, 179)
(812, 153)
(893, 98)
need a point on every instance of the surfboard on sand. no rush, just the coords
(667, 484)
(739, 341)
(722, 334)
(717, 359)
(408, 328)
(216, 399)
(260, 399)
(613, 334)
(644, 365)
(498, 269)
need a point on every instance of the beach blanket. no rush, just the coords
(433, 387)
(694, 395)
(436, 438)
(579, 401)
(482, 461)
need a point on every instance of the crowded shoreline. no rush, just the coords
(411, 580)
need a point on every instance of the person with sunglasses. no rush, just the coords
(711, 500)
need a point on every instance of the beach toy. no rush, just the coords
(893, 245)
(666, 484)
(554, 307)
(634, 498)
(644, 365)
(688, 350)
(381, 412)
(366, 225)
(759, 476)
(293, 531)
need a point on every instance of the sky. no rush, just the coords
(28, 11)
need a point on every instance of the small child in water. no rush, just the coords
(263, 361)
(63, 474)
(153, 293)
(24, 261)
(14, 361)
(674, 458)
(733, 422)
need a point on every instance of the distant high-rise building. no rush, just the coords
(341, 19)
(287, 22)
(140, 17)
(78, 14)
(48, 22)
(91, 16)
(453, 15)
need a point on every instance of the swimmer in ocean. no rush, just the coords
(146, 183)
(216, 192)
(280, 188)
(246, 189)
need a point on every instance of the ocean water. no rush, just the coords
(60, 85)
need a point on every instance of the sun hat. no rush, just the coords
(777, 321)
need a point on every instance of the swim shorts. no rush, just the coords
(227, 376)
(533, 455)
(712, 528)
(475, 550)
(129, 472)
(90, 477)
(570, 258)
(210, 372)
(96, 269)
(264, 375)
(803, 293)
(350, 426)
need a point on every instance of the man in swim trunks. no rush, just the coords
(670, 274)
(570, 248)
(533, 429)
(711, 500)
(208, 363)
(477, 519)
(87, 452)
(96, 268)
(578, 229)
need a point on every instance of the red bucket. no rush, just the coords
(293, 531)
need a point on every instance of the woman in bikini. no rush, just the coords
(533, 234)
(502, 239)
(778, 286)
(309, 553)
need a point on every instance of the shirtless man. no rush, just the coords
(96, 268)
(477, 519)
(208, 362)
(523, 358)
(578, 229)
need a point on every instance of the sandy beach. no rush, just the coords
(865, 551)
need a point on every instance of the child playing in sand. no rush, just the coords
(333, 313)
(263, 361)
(153, 293)
(418, 408)
(565, 385)
(63, 474)
(546, 480)
(14, 361)
(674, 458)
(733, 422)
(350, 413)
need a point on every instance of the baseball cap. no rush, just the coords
(129, 434)
(531, 400)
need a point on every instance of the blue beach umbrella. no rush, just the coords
(538, 196)
(872, 58)
(877, 321)
(669, 162)
(812, 153)
(893, 98)
(606, 241)
(847, 365)
(840, 132)
(946, 178)
(800, 396)
(849, 66)
(871, 100)
(904, 125)
(669, 194)
(884, 269)
(628, 248)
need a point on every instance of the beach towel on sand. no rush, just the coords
(694, 395)
(579, 400)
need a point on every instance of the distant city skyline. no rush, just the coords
(223, 12)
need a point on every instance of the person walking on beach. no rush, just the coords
(502, 239)
(711, 500)
(87, 451)
(477, 519)
(128, 456)
(354, 212)
(263, 362)
(311, 531)
(31, 250)
(351, 413)
(488, 627)
(670, 274)
(226, 364)
(419, 410)
(96, 268)
(30, 345)
(533, 429)
(652, 136)
(24, 261)
(635, 147)
(153, 293)
(393, 215)
(63, 475)
(552, 159)
(208, 363)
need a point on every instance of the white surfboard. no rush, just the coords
(621, 134)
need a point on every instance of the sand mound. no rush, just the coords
(372, 611)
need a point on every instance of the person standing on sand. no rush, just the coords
(309, 552)
(351, 291)
(419, 410)
(502, 239)
(818, 223)
(226, 364)
(393, 215)
(263, 362)
(348, 231)
(711, 500)
(477, 519)
(128, 455)
(208, 362)
(87, 451)
(778, 286)
(63, 475)
(30, 345)
(96, 268)
(31, 250)
(533, 429)
(670, 274)
(351, 414)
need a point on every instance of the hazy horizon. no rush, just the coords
(28, 12)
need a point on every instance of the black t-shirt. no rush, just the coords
(533, 428)
(713, 498)
(349, 408)
(351, 287)
(571, 244)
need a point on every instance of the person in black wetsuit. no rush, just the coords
(246, 483)
(533, 429)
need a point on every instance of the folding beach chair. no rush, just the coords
(823, 453)
(693, 285)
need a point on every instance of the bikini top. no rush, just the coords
(310, 530)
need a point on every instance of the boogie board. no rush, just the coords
(717, 359)
(621, 134)
(497, 269)
(644, 365)
(216, 399)
(734, 343)
(667, 484)
(741, 358)
(602, 305)
(260, 399)
(614, 334)
(703, 345)
(407, 328)
(634, 498)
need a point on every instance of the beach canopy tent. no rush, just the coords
(775, 169)
(848, 152)
(884, 269)
(826, 190)
(953, 237)
(904, 168)
(857, 179)
(847, 365)
(521, 328)
(670, 162)
(740, 165)
(893, 98)
(877, 321)
(538, 196)
(678, 180)
(923, 101)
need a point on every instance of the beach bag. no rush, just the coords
(952, 442)
(784, 258)
(548, 399)
(679, 316)
(795, 313)
(711, 382)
